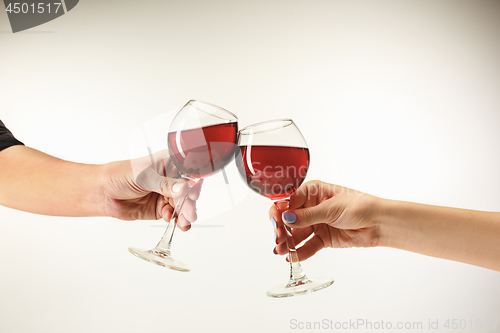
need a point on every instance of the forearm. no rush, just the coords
(467, 236)
(38, 183)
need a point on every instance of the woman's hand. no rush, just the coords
(334, 216)
(327, 215)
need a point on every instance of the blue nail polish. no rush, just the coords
(275, 236)
(273, 221)
(289, 217)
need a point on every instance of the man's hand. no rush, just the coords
(149, 188)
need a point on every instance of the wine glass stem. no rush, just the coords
(296, 271)
(166, 241)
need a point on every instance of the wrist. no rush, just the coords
(99, 176)
(115, 185)
(392, 228)
(113, 181)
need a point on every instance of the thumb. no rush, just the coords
(304, 217)
(150, 180)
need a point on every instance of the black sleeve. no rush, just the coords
(6, 138)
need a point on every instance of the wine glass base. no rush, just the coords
(302, 287)
(160, 258)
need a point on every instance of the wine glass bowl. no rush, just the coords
(273, 159)
(201, 141)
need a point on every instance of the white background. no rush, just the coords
(399, 99)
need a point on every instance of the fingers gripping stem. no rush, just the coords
(296, 272)
(166, 240)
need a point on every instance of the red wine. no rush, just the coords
(202, 151)
(273, 171)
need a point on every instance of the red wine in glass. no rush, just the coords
(273, 171)
(201, 141)
(273, 159)
(199, 152)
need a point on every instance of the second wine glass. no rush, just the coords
(201, 141)
(273, 159)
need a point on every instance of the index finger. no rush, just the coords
(306, 194)
(312, 193)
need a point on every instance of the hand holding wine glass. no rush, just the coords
(336, 216)
(333, 215)
(138, 190)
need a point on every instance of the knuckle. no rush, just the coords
(331, 212)
(306, 216)
(315, 184)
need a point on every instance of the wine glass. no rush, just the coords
(201, 141)
(273, 159)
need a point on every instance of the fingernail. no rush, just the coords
(177, 188)
(275, 236)
(289, 217)
(184, 223)
(273, 221)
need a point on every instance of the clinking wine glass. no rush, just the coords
(273, 158)
(201, 141)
